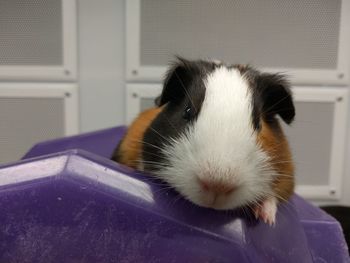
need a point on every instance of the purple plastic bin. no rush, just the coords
(101, 143)
(68, 205)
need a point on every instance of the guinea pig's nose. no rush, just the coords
(215, 186)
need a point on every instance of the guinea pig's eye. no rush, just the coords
(188, 113)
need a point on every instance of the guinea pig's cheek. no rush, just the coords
(178, 176)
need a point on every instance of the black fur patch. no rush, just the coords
(183, 87)
(271, 96)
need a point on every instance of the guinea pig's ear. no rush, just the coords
(176, 82)
(276, 97)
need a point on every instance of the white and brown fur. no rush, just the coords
(215, 137)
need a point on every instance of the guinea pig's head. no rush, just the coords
(217, 139)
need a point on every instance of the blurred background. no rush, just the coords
(75, 66)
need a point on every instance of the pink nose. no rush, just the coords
(217, 187)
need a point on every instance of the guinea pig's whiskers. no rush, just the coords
(290, 208)
(164, 186)
(279, 162)
(149, 144)
(285, 175)
(150, 153)
(163, 189)
(277, 196)
(268, 109)
(289, 161)
(275, 146)
(171, 124)
(185, 90)
(155, 164)
(245, 211)
(163, 150)
(256, 203)
(166, 139)
(152, 162)
(176, 199)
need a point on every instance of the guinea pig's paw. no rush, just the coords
(267, 210)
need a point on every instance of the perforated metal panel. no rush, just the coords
(31, 32)
(310, 138)
(269, 33)
(26, 121)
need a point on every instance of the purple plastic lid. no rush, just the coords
(64, 205)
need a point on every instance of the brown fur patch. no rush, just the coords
(130, 147)
(274, 143)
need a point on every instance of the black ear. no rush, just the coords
(276, 97)
(176, 82)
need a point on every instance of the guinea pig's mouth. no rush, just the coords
(263, 206)
(217, 201)
(256, 207)
(216, 196)
(224, 196)
(214, 202)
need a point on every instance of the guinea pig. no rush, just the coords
(215, 137)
